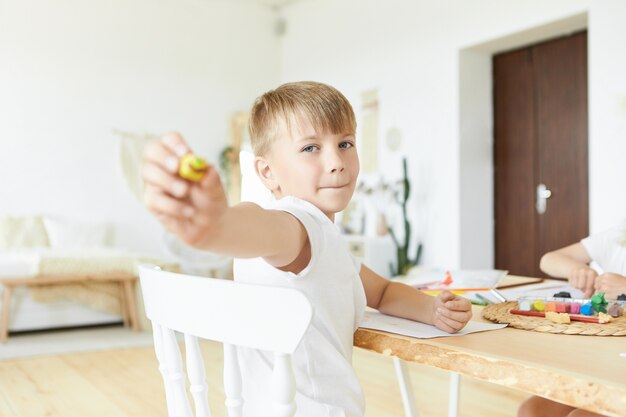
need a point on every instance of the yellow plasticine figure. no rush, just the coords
(192, 168)
(604, 318)
(560, 318)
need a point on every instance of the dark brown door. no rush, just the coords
(540, 128)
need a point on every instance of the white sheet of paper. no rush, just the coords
(378, 321)
(466, 278)
(544, 289)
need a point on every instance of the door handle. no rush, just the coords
(542, 198)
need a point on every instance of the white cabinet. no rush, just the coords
(375, 252)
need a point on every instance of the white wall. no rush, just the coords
(71, 71)
(411, 51)
(607, 113)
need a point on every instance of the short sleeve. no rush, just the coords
(312, 225)
(600, 246)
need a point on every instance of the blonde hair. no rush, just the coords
(325, 107)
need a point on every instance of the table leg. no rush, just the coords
(6, 308)
(124, 304)
(131, 305)
(406, 388)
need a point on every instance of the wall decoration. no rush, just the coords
(131, 146)
(369, 135)
(229, 158)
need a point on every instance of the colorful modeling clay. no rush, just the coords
(614, 310)
(550, 307)
(586, 309)
(539, 305)
(562, 294)
(524, 305)
(562, 307)
(598, 303)
(574, 308)
(192, 168)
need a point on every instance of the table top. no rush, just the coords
(583, 371)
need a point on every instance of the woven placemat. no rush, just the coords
(500, 313)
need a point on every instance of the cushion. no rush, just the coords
(22, 232)
(63, 234)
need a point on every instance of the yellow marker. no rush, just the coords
(192, 168)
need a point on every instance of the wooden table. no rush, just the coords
(125, 280)
(582, 371)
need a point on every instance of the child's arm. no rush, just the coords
(198, 213)
(571, 262)
(447, 311)
(611, 284)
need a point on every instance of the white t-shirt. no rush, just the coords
(608, 249)
(327, 385)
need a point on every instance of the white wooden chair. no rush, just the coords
(236, 314)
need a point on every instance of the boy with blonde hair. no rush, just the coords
(303, 137)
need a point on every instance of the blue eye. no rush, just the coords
(346, 145)
(310, 148)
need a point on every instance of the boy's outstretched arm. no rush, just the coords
(199, 214)
(447, 311)
(571, 262)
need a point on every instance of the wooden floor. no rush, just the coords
(126, 383)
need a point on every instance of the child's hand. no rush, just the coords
(611, 284)
(451, 312)
(188, 210)
(583, 278)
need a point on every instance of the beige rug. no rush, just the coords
(54, 342)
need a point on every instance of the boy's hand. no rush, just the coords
(611, 284)
(583, 278)
(189, 210)
(451, 312)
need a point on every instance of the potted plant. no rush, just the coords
(404, 262)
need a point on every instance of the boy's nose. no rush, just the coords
(335, 163)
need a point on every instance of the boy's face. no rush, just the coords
(319, 168)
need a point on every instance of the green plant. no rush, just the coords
(226, 159)
(404, 263)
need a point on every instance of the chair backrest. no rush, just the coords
(236, 314)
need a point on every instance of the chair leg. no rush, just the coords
(406, 388)
(6, 308)
(453, 398)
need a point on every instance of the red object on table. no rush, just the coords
(572, 317)
(448, 279)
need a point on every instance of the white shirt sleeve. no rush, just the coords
(606, 249)
(313, 228)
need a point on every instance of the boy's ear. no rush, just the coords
(264, 171)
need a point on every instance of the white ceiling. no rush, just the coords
(277, 4)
